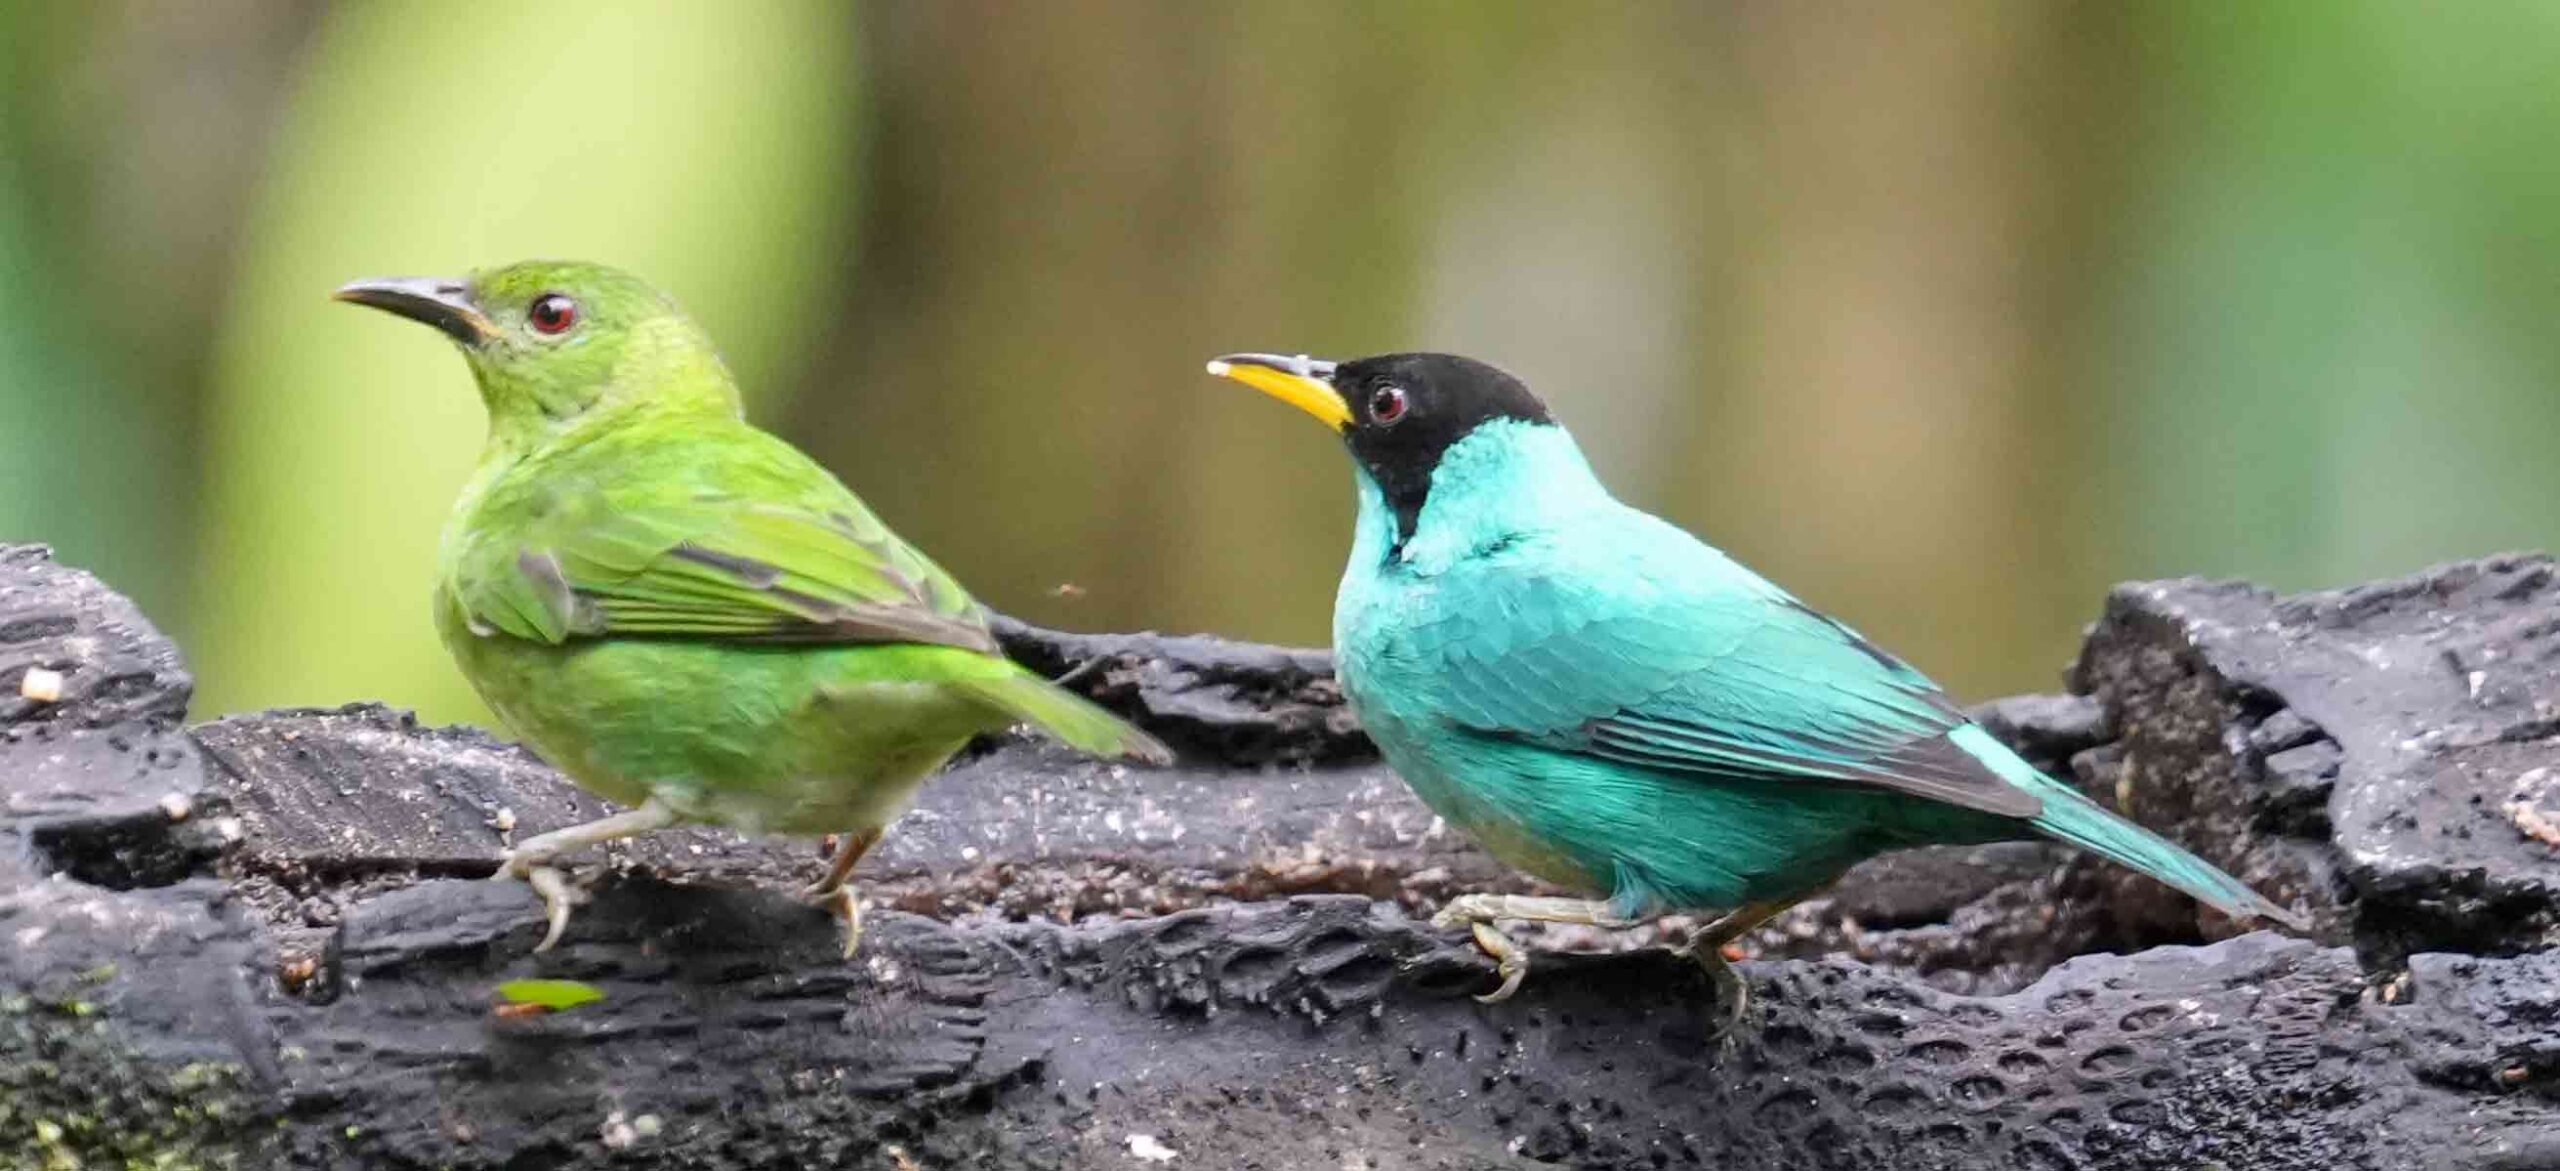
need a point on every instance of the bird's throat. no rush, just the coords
(1505, 483)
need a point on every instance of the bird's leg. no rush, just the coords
(531, 858)
(1706, 947)
(1511, 961)
(834, 893)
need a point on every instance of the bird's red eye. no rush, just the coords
(552, 313)
(1386, 405)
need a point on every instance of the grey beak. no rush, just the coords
(438, 301)
(1298, 364)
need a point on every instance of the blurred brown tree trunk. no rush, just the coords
(1780, 268)
(1073, 206)
(131, 135)
(1894, 442)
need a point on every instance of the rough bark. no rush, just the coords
(266, 941)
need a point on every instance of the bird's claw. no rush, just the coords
(557, 899)
(1478, 914)
(1510, 961)
(848, 908)
(557, 895)
(1731, 991)
(839, 899)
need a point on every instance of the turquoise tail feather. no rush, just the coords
(2072, 818)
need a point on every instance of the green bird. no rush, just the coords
(685, 614)
(1610, 704)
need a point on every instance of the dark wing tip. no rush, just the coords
(1146, 749)
(1942, 769)
(2276, 913)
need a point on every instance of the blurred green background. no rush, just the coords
(1944, 317)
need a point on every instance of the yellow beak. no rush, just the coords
(1296, 379)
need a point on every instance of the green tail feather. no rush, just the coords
(2072, 818)
(1070, 718)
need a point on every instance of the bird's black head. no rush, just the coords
(1399, 413)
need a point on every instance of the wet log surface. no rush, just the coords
(266, 940)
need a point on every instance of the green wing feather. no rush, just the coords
(729, 535)
(745, 540)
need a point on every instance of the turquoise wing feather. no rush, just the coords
(1687, 662)
(1660, 652)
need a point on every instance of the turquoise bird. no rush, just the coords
(1610, 704)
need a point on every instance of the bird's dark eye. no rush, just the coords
(1386, 405)
(552, 313)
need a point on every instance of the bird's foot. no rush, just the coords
(846, 907)
(557, 898)
(847, 850)
(531, 858)
(1706, 947)
(835, 892)
(1510, 961)
(1731, 991)
(1478, 913)
(557, 895)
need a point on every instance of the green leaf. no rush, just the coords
(551, 994)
